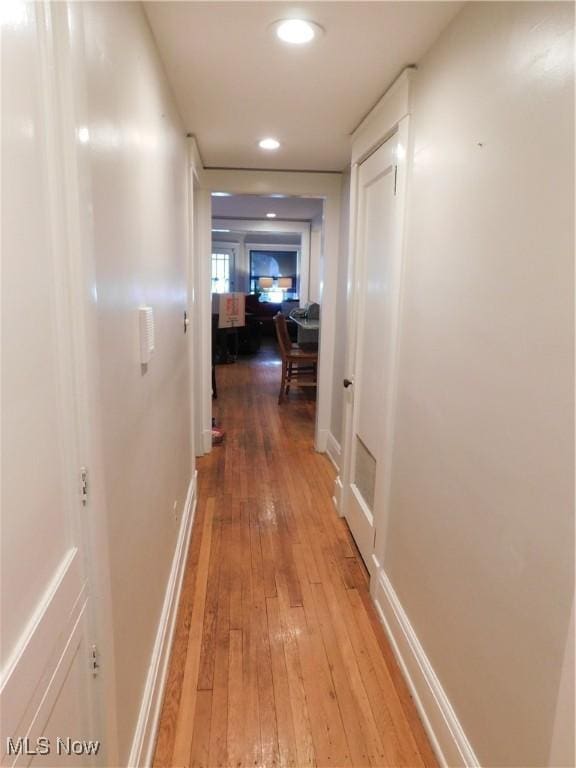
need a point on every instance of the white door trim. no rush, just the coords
(192, 187)
(381, 122)
(390, 116)
(200, 216)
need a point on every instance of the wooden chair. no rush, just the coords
(299, 367)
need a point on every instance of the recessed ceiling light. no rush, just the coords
(269, 143)
(84, 135)
(297, 31)
(220, 230)
(221, 194)
(270, 215)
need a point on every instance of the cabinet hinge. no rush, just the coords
(84, 485)
(94, 661)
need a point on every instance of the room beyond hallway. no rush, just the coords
(243, 386)
(279, 658)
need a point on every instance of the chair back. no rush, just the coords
(282, 334)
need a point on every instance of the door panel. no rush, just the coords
(373, 340)
(32, 386)
(377, 253)
(63, 719)
(42, 578)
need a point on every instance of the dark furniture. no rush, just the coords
(228, 343)
(250, 337)
(265, 311)
(214, 330)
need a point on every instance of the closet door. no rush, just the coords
(377, 268)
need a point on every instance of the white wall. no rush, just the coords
(562, 748)
(480, 538)
(138, 161)
(95, 224)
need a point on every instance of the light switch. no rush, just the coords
(146, 319)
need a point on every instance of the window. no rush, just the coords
(282, 267)
(220, 273)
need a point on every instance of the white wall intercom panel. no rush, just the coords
(146, 321)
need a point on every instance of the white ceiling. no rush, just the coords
(236, 83)
(257, 206)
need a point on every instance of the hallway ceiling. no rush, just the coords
(256, 207)
(235, 83)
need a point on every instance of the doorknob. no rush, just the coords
(347, 383)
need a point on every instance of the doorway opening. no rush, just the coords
(265, 265)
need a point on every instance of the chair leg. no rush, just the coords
(282, 383)
(288, 378)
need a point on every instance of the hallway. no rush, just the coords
(379, 573)
(279, 657)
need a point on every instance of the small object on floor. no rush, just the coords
(217, 436)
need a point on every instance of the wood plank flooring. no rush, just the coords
(279, 658)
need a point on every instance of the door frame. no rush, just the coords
(391, 116)
(325, 185)
(199, 288)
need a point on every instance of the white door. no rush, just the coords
(46, 685)
(369, 382)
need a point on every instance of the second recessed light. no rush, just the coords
(297, 31)
(269, 143)
(270, 215)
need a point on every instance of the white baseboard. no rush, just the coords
(438, 717)
(337, 497)
(142, 752)
(321, 440)
(334, 451)
(207, 440)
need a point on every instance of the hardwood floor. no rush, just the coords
(279, 658)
